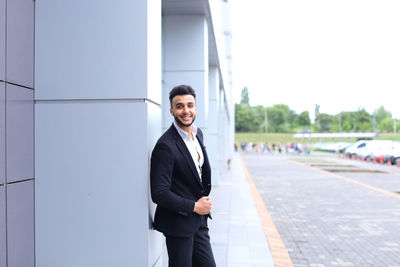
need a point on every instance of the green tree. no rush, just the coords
(383, 120)
(249, 119)
(347, 121)
(363, 120)
(386, 125)
(259, 118)
(242, 118)
(245, 96)
(303, 119)
(278, 118)
(381, 113)
(325, 121)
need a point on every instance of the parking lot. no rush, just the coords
(331, 211)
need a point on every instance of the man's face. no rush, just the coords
(184, 109)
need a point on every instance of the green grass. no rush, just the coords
(389, 136)
(288, 137)
(263, 137)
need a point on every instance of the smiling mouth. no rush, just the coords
(186, 118)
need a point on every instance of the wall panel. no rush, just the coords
(2, 132)
(20, 224)
(20, 42)
(92, 163)
(2, 40)
(101, 46)
(20, 133)
(2, 227)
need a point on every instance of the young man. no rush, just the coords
(180, 179)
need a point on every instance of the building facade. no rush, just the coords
(83, 98)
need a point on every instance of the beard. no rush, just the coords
(183, 124)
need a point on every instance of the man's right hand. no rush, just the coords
(203, 205)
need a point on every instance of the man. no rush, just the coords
(180, 179)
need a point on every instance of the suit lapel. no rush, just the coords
(186, 154)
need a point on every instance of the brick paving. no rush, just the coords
(327, 221)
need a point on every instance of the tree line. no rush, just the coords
(281, 119)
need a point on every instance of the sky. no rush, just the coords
(342, 54)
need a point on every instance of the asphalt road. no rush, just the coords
(331, 211)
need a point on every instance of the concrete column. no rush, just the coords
(221, 131)
(213, 131)
(97, 117)
(185, 56)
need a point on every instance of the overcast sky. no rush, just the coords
(341, 54)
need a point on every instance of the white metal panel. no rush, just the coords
(185, 43)
(19, 131)
(91, 162)
(20, 36)
(154, 50)
(154, 132)
(20, 224)
(213, 106)
(2, 227)
(2, 40)
(212, 122)
(91, 49)
(2, 132)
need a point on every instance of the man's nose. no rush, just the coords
(185, 109)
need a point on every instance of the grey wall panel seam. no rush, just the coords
(23, 86)
(34, 139)
(5, 48)
(110, 100)
(34, 223)
(6, 218)
(153, 102)
(5, 129)
(34, 136)
(20, 181)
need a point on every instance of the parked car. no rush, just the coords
(352, 150)
(394, 155)
(376, 150)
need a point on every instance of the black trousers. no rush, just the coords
(192, 251)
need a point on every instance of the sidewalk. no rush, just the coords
(237, 236)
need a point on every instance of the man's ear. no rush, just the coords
(170, 111)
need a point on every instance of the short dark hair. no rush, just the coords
(181, 90)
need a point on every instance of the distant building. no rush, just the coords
(83, 98)
(309, 135)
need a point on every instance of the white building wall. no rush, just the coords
(213, 131)
(97, 117)
(185, 61)
(100, 106)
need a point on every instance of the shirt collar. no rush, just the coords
(183, 134)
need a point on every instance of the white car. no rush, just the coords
(394, 155)
(353, 149)
(376, 149)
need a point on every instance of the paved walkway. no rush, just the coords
(330, 211)
(236, 231)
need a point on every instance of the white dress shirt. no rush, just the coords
(193, 146)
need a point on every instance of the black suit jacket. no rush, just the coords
(176, 185)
